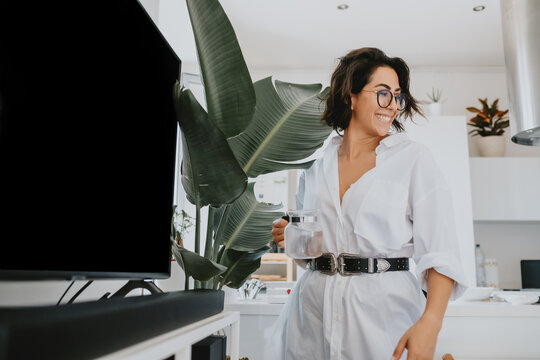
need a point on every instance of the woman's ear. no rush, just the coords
(352, 101)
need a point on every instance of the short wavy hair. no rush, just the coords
(352, 74)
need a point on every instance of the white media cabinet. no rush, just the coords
(178, 342)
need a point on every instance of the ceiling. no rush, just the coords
(309, 34)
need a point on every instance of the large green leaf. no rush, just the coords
(229, 90)
(286, 127)
(240, 265)
(194, 265)
(246, 225)
(210, 171)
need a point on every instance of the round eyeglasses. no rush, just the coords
(384, 98)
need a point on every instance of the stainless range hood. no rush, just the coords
(521, 39)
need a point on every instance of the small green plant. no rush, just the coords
(181, 225)
(434, 96)
(490, 120)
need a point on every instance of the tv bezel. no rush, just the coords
(45, 274)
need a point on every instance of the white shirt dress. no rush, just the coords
(400, 208)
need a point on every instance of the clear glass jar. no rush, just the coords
(303, 235)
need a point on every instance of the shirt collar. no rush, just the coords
(391, 141)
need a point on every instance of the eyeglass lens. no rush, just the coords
(384, 98)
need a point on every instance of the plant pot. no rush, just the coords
(491, 146)
(435, 109)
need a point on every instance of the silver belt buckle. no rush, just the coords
(333, 264)
(341, 264)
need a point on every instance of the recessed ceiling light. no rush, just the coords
(343, 7)
(479, 8)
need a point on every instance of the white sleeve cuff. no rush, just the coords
(445, 264)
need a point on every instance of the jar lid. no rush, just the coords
(303, 215)
(310, 218)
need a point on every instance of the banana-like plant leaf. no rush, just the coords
(247, 224)
(210, 171)
(240, 265)
(286, 127)
(200, 268)
(229, 90)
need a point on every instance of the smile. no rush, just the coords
(383, 118)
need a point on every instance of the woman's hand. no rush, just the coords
(420, 340)
(278, 230)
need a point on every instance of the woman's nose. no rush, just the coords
(394, 104)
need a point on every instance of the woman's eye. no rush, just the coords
(384, 94)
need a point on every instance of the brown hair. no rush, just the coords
(352, 74)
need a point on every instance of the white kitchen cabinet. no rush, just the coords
(505, 188)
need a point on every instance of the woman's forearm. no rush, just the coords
(301, 262)
(439, 289)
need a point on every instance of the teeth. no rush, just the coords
(384, 118)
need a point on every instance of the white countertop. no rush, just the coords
(458, 308)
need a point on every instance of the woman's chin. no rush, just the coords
(383, 130)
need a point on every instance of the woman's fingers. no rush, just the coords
(398, 351)
(278, 232)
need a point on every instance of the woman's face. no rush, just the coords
(367, 115)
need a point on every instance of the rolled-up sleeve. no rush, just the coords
(436, 243)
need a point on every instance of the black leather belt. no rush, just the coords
(351, 264)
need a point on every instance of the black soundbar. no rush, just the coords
(88, 330)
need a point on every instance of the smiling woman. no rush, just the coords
(382, 200)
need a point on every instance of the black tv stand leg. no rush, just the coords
(137, 284)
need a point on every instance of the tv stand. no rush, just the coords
(177, 343)
(136, 284)
(93, 329)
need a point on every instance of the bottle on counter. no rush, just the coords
(480, 266)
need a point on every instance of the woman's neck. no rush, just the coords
(356, 144)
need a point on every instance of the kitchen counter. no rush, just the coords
(471, 329)
(458, 308)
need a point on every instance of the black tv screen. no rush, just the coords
(87, 141)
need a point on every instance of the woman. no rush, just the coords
(379, 196)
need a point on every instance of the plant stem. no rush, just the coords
(219, 230)
(197, 284)
(197, 228)
(215, 250)
(208, 243)
(209, 233)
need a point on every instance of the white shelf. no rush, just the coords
(178, 342)
(276, 264)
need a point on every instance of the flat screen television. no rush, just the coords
(87, 141)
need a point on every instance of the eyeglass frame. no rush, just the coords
(391, 98)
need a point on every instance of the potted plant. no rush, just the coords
(434, 102)
(489, 124)
(250, 129)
